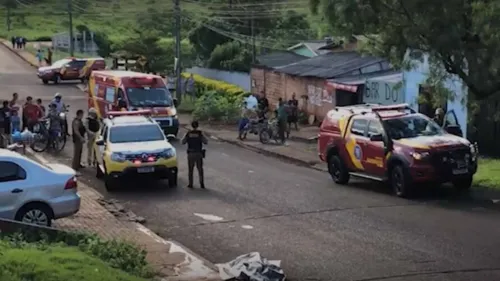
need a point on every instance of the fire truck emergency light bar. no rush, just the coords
(403, 106)
(112, 114)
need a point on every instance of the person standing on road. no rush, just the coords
(195, 153)
(42, 107)
(32, 113)
(61, 108)
(48, 60)
(92, 125)
(78, 140)
(190, 86)
(4, 124)
(13, 101)
(39, 57)
(13, 41)
(282, 120)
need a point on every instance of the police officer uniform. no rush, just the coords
(195, 153)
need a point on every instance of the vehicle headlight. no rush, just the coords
(473, 150)
(175, 116)
(420, 155)
(117, 157)
(168, 153)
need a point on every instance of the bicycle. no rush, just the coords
(55, 140)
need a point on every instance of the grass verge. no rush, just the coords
(488, 174)
(187, 105)
(71, 256)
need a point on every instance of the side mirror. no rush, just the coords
(377, 137)
(67, 65)
(176, 102)
(100, 142)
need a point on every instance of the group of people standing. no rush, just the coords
(16, 118)
(256, 108)
(18, 42)
(40, 57)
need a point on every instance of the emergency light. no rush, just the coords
(144, 81)
(112, 114)
(403, 106)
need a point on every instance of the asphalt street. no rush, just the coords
(319, 230)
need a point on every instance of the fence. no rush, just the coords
(241, 79)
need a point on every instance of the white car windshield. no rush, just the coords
(151, 97)
(60, 63)
(412, 126)
(136, 133)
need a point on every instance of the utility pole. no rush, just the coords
(8, 17)
(71, 37)
(178, 83)
(253, 38)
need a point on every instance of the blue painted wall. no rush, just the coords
(418, 75)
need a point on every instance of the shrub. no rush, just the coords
(42, 39)
(203, 85)
(119, 255)
(215, 106)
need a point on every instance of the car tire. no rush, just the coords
(110, 183)
(338, 170)
(40, 214)
(463, 183)
(172, 180)
(45, 81)
(401, 182)
(57, 79)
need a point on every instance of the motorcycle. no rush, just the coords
(269, 132)
(252, 127)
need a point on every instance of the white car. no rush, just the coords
(35, 193)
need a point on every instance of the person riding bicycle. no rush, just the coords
(61, 108)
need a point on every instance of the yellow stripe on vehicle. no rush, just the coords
(350, 146)
(93, 95)
(413, 144)
(87, 65)
(378, 161)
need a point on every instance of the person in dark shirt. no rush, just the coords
(78, 140)
(293, 114)
(5, 129)
(42, 107)
(263, 105)
(195, 140)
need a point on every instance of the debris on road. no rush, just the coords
(117, 209)
(251, 267)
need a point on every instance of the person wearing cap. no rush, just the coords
(92, 125)
(61, 107)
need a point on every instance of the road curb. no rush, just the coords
(18, 55)
(192, 261)
(289, 159)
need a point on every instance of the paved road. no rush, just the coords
(320, 231)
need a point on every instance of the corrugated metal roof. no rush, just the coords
(329, 65)
(392, 76)
(279, 58)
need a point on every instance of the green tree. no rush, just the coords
(460, 37)
(159, 53)
(231, 56)
(157, 19)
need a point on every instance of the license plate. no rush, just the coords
(144, 170)
(460, 171)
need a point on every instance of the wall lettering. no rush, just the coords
(383, 93)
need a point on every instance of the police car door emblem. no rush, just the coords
(357, 152)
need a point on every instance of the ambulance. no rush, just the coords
(118, 90)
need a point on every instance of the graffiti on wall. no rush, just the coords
(319, 95)
(384, 93)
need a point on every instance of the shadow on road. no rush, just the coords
(439, 195)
